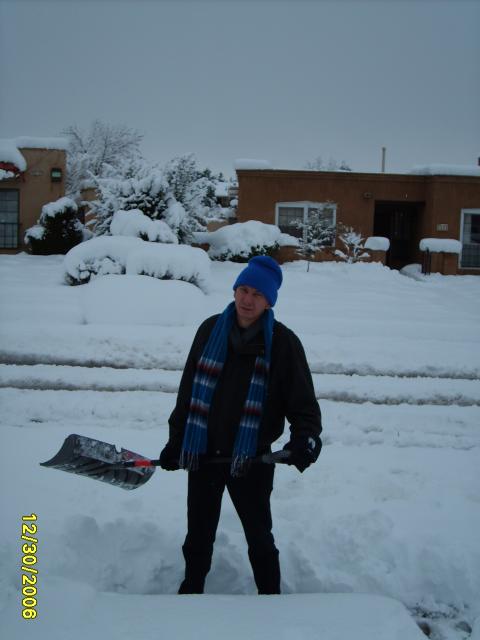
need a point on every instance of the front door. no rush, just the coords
(9, 218)
(398, 223)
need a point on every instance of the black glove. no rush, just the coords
(169, 457)
(304, 450)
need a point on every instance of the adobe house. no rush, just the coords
(32, 174)
(404, 208)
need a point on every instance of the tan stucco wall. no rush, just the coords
(440, 198)
(35, 187)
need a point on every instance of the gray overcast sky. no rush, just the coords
(283, 81)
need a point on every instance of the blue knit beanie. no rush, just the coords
(264, 274)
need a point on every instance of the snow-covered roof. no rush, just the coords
(9, 153)
(10, 148)
(445, 170)
(28, 142)
(247, 163)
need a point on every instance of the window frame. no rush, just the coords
(465, 212)
(306, 205)
(16, 224)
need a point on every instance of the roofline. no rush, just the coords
(341, 175)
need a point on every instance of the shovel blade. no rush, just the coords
(99, 460)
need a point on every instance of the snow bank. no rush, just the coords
(440, 245)
(117, 255)
(306, 617)
(377, 243)
(171, 262)
(445, 170)
(138, 300)
(247, 163)
(241, 238)
(136, 224)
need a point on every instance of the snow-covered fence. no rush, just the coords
(118, 255)
(445, 255)
(377, 246)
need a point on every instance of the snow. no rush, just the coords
(53, 209)
(139, 300)
(121, 254)
(439, 245)
(134, 223)
(9, 153)
(381, 532)
(250, 163)
(36, 233)
(377, 243)
(445, 170)
(10, 148)
(239, 239)
(6, 175)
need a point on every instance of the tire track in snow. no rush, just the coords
(388, 390)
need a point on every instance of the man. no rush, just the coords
(244, 375)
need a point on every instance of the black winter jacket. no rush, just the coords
(290, 392)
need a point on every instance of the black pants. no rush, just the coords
(250, 495)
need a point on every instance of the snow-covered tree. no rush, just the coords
(58, 229)
(318, 164)
(194, 189)
(101, 151)
(353, 245)
(318, 232)
(147, 191)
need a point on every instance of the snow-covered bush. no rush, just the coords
(353, 244)
(58, 229)
(137, 225)
(241, 241)
(119, 255)
(170, 262)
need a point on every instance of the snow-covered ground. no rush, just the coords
(381, 532)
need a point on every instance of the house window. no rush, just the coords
(292, 218)
(8, 218)
(470, 238)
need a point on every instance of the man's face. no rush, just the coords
(249, 304)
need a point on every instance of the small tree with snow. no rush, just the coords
(194, 189)
(318, 232)
(57, 230)
(353, 245)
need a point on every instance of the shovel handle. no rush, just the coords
(267, 458)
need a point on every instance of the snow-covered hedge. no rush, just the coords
(136, 224)
(241, 241)
(377, 243)
(440, 245)
(118, 255)
(58, 229)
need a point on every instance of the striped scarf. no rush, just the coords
(209, 368)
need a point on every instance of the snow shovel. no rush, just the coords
(125, 469)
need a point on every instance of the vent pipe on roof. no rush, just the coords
(479, 162)
(384, 150)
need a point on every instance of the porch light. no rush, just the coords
(56, 175)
